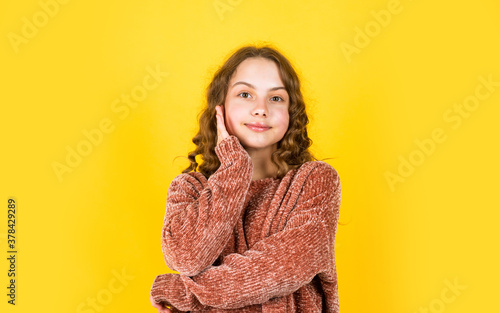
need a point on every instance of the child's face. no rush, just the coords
(256, 94)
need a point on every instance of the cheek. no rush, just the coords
(231, 119)
(283, 118)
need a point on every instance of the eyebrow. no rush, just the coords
(252, 86)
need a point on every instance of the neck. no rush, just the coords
(263, 167)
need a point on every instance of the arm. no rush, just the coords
(200, 215)
(275, 266)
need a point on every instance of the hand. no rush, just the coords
(221, 126)
(159, 306)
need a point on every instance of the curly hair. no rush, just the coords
(292, 150)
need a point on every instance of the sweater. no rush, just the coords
(243, 245)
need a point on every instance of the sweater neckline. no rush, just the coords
(264, 181)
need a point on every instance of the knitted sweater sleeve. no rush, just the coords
(275, 266)
(201, 214)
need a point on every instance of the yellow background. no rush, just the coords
(403, 242)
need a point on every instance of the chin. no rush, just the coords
(253, 144)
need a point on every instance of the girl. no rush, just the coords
(254, 229)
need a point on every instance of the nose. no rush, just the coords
(260, 108)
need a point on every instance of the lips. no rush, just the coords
(257, 126)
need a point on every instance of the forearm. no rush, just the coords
(201, 214)
(275, 267)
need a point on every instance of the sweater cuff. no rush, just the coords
(158, 290)
(170, 286)
(230, 149)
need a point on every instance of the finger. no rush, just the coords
(223, 128)
(217, 110)
(159, 306)
(154, 304)
(220, 118)
(219, 124)
(221, 114)
(163, 309)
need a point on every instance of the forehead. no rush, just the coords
(257, 69)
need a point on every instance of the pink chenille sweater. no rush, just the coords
(243, 245)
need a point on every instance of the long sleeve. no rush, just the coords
(275, 266)
(200, 214)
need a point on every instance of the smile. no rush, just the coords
(257, 128)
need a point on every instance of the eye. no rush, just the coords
(245, 94)
(276, 97)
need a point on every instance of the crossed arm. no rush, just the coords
(275, 266)
(201, 214)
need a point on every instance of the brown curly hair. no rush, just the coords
(292, 148)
